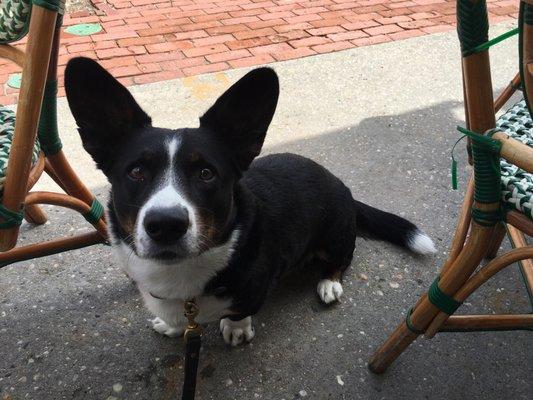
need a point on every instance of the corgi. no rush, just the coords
(195, 213)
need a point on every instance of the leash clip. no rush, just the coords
(191, 312)
(193, 344)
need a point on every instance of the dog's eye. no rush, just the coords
(206, 174)
(137, 173)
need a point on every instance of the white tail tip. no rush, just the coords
(421, 243)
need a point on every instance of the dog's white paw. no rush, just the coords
(165, 329)
(329, 290)
(236, 332)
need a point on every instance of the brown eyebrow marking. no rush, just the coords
(127, 223)
(194, 157)
(148, 155)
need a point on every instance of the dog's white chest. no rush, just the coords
(165, 286)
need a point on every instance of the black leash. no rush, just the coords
(193, 344)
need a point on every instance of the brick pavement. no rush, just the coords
(154, 40)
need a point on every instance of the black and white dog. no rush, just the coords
(193, 215)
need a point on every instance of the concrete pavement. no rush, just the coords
(382, 117)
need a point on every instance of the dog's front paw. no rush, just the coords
(329, 290)
(236, 332)
(165, 329)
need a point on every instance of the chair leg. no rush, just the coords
(29, 106)
(35, 214)
(395, 345)
(423, 314)
(478, 279)
(496, 241)
(518, 240)
(454, 279)
(463, 225)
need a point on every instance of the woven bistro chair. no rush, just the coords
(498, 199)
(29, 143)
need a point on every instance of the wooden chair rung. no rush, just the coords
(42, 249)
(473, 323)
(13, 54)
(506, 94)
(519, 221)
(518, 240)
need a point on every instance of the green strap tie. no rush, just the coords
(472, 23)
(525, 17)
(95, 213)
(492, 42)
(527, 13)
(441, 300)
(487, 218)
(410, 325)
(47, 131)
(486, 154)
(11, 218)
(489, 144)
(454, 164)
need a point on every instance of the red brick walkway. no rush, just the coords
(153, 40)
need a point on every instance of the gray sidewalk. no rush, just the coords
(383, 118)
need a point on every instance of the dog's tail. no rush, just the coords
(380, 225)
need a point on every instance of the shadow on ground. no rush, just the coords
(73, 326)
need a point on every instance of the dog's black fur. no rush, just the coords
(288, 209)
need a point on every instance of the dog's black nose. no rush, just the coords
(166, 225)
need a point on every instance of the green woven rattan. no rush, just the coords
(525, 16)
(7, 129)
(517, 184)
(472, 25)
(441, 300)
(47, 132)
(14, 19)
(95, 213)
(15, 16)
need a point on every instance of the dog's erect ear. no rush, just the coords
(241, 116)
(105, 111)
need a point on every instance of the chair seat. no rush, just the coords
(14, 19)
(7, 130)
(517, 184)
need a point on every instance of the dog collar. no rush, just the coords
(216, 292)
